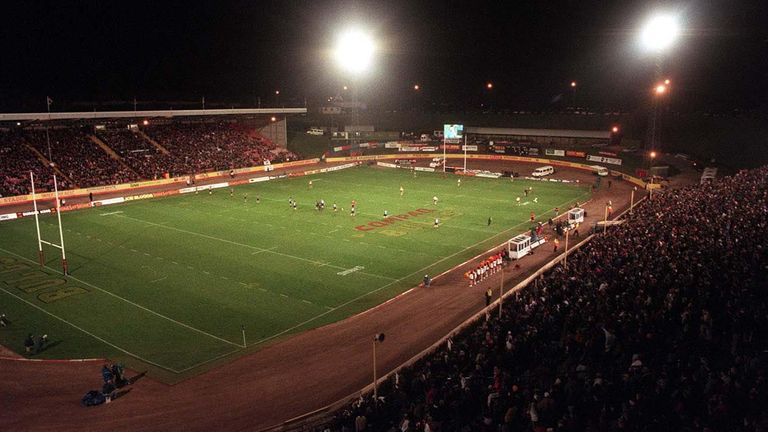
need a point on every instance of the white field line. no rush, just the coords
(130, 302)
(110, 213)
(390, 284)
(207, 361)
(89, 333)
(249, 246)
(265, 250)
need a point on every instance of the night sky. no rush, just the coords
(80, 52)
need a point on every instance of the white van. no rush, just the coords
(543, 171)
(599, 170)
(315, 131)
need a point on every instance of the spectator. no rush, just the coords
(655, 326)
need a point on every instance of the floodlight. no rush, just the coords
(661, 89)
(354, 51)
(615, 129)
(416, 87)
(660, 32)
(573, 83)
(489, 86)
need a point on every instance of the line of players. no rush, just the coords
(486, 268)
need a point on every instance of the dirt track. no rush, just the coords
(282, 381)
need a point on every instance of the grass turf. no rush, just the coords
(166, 284)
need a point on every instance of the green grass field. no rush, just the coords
(166, 284)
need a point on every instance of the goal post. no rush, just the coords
(40, 241)
(40, 253)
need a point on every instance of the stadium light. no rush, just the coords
(273, 118)
(659, 32)
(573, 83)
(416, 87)
(145, 122)
(354, 51)
(615, 129)
(277, 92)
(652, 154)
(666, 81)
(346, 88)
(660, 89)
(489, 86)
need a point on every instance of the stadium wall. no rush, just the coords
(634, 180)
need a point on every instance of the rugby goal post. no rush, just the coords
(40, 241)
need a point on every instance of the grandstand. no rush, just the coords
(107, 148)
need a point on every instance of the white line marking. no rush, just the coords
(306, 301)
(129, 301)
(283, 295)
(265, 250)
(206, 272)
(248, 246)
(90, 334)
(111, 213)
(158, 280)
(385, 286)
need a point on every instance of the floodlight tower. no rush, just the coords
(657, 37)
(354, 53)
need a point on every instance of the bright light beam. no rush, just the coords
(354, 51)
(660, 32)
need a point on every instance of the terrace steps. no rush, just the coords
(113, 154)
(154, 143)
(44, 160)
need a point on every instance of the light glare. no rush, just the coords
(354, 51)
(660, 32)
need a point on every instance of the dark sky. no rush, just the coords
(234, 51)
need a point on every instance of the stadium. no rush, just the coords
(340, 266)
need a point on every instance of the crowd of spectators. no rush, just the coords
(657, 325)
(16, 161)
(214, 146)
(138, 153)
(79, 158)
(194, 148)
